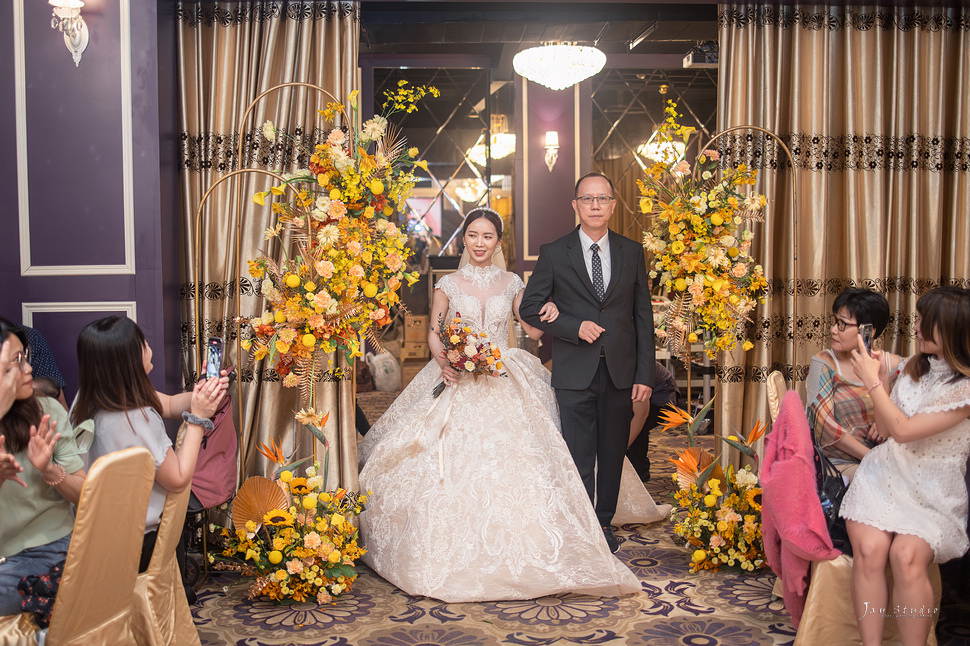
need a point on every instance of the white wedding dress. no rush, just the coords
(475, 496)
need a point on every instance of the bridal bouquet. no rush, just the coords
(348, 256)
(701, 244)
(467, 351)
(720, 517)
(297, 541)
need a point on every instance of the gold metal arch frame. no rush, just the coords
(794, 243)
(237, 226)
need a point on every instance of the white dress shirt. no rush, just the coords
(604, 245)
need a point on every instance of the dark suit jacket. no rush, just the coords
(626, 314)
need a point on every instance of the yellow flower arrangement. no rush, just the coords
(719, 515)
(305, 552)
(700, 244)
(350, 257)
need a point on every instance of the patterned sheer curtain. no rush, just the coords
(230, 52)
(872, 103)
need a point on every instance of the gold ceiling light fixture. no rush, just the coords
(502, 142)
(558, 66)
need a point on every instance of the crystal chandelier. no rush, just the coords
(662, 151)
(502, 142)
(471, 190)
(558, 66)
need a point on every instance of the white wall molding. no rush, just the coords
(23, 202)
(27, 310)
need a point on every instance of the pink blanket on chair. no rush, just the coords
(793, 525)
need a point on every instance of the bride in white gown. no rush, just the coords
(475, 495)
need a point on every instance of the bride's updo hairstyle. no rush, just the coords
(482, 212)
(944, 311)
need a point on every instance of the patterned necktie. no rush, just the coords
(597, 272)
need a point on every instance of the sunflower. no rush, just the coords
(299, 486)
(753, 498)
(279, 518)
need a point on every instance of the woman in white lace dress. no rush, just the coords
(908, 501)
(475, 496)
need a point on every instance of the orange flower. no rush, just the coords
(673, 417)
(274, 454)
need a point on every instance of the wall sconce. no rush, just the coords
(552, 148)
(67, 18)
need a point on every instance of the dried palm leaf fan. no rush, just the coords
(255, 498)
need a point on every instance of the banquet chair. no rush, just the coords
(776, 391)
(829, 617)
(94, 601)
(161, 614)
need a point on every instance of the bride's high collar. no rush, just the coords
(481, 276)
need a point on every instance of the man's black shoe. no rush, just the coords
(611, 539)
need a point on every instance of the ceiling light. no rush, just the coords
(471, 190)
(558, 66)
(503, 145)
(662, 151)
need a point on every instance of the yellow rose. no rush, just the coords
(309, 340)
(674, 229)
(455, 338)
(412, 152)
(388, 210)
(310, 286)
(369, 212)
(334, 557)
(275, 557)
(286, 476)
(370, 290)
(717, 220)
(376, 186)
(692, 337)
(680, 284)
(292, 281)
(281, 574)
(250, 525)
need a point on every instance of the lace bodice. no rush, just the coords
(483, 296)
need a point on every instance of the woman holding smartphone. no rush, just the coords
(839, 407)
(114, 360)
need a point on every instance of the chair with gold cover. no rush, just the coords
(94, 601)
(161, 612)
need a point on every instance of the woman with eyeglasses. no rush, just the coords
(839, 407)
(35, 502)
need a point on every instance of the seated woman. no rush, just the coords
(114, 360)
(839, 408)
(908, 503)
(42, 477)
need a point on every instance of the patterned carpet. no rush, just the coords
(675, 607)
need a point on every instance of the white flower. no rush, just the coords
(753, 202)
(311, 471)
(336, 137)
(716, 256)
(314, 481)
(728, 241)
(269, 130)
(328, 235)
(272, 232)
(323, 203)
(374, 128)
(697, 203)
(748, 234)
(706, 175)
(266, 285)
(681, 168)
(343, 164)
(332, 308)
(470, 351)
(746, 479)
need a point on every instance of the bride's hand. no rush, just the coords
(549, 312)
(448, 374)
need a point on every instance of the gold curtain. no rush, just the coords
(871, 102)
(229, 53)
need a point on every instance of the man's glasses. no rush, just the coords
(602, 200)
(839, 323)
(22, 360)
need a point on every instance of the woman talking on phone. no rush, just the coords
(839, 408)
(114, 360)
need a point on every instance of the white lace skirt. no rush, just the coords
(475, 496)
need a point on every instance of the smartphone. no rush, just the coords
(213, 362)
(866, 331)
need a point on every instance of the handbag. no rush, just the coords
(214, 481)
(831, 488)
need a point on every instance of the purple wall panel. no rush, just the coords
(61, 330)
(74, 141)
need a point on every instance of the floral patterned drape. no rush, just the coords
(870, 100)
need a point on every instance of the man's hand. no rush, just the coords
(589, 331)
(641, 393)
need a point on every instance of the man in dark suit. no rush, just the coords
(603, 350)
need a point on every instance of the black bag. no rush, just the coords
(831, 488)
